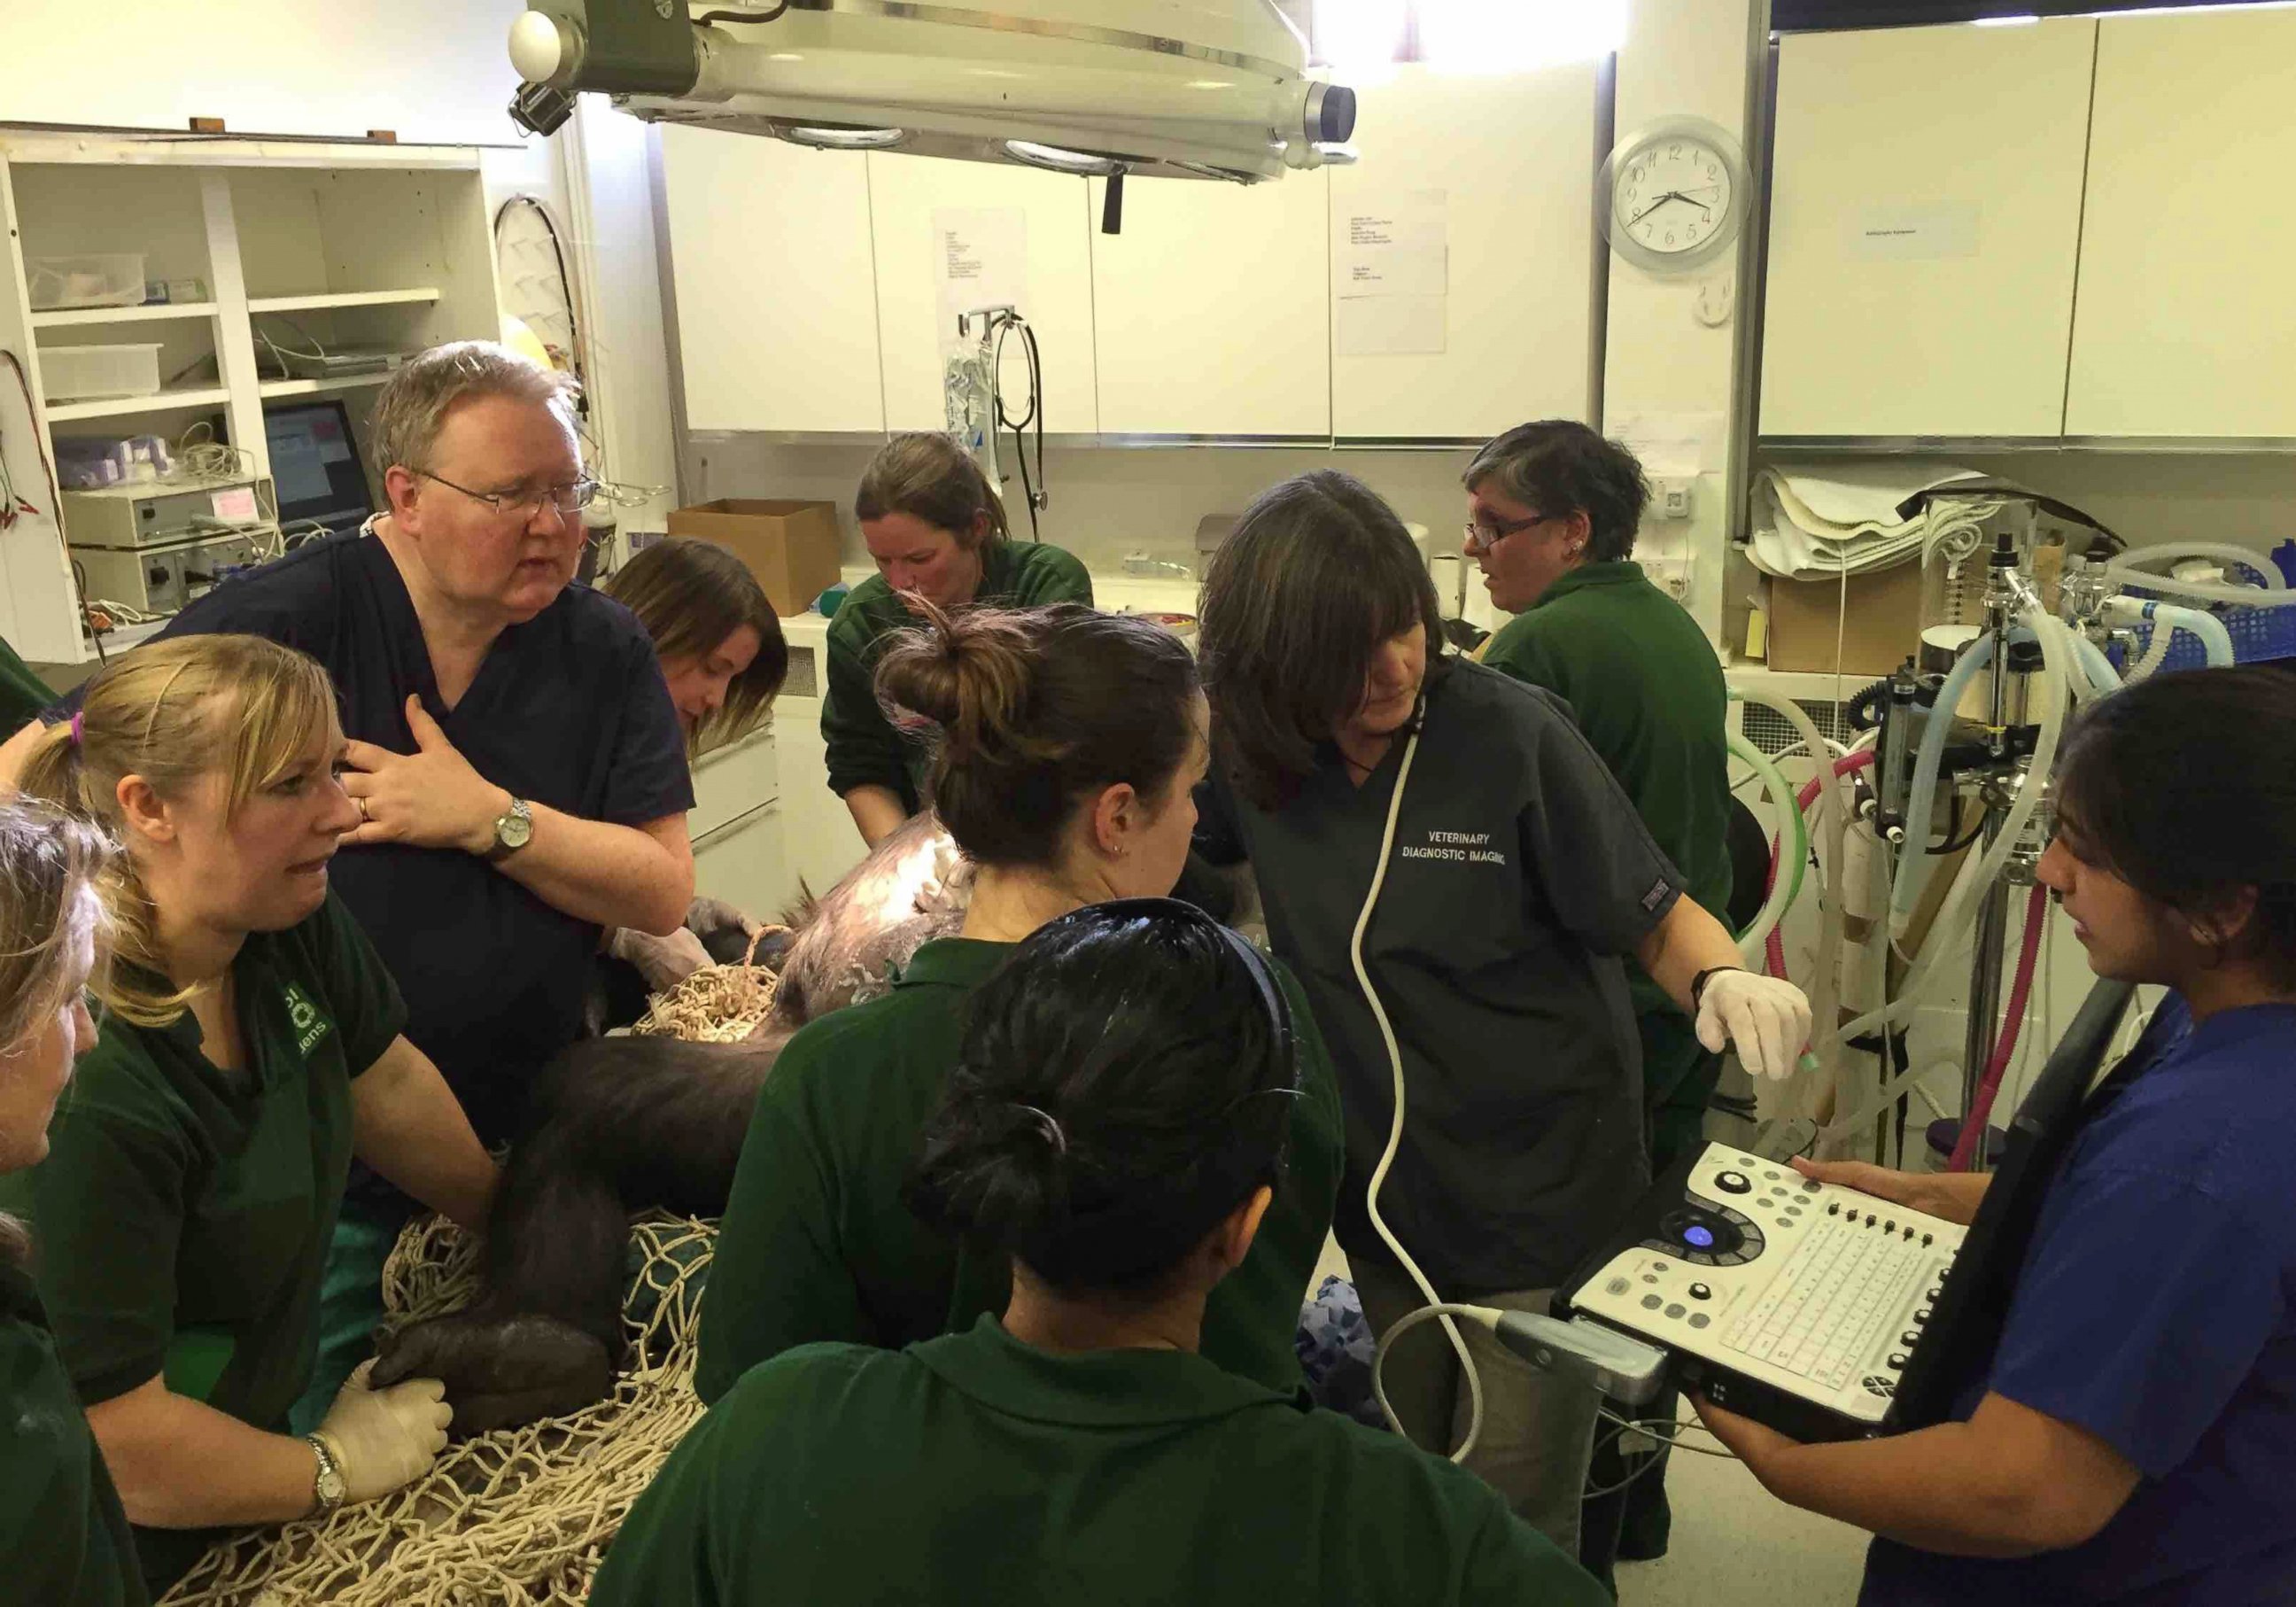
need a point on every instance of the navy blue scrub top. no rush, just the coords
(2157, 1309)
(569, 710)
(1520, 871)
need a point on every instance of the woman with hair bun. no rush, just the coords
(1070, 744)
(936, 530)
(1113, 1131)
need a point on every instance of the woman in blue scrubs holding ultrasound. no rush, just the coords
(2134, 1437)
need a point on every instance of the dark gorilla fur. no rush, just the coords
(618, 1124)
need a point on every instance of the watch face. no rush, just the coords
(512, 829)
(331, 1486)
(1673, 196)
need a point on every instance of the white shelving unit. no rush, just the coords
(112, 408)
(83, 317)
(272, 388)
(333, 299)
(353, 245)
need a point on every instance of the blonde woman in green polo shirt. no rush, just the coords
(62, 1534)
(1071, 740)
(249, 1045)
(1114, 1132)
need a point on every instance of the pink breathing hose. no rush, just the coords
(1972, 1126)
(1775, 948)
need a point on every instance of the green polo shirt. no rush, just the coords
(62, 1536)
(816, 1244)
(22, 694)
(864, 748)
(974, 1468)
(1648, 694)
(184, 1211)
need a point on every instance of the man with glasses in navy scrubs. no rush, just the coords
(512, 748)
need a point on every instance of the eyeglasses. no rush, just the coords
(1482, 539)
(563, 499)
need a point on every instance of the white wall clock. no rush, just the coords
(1675, 193)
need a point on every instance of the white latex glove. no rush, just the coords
(706, 916)
(1766, 1019)
(384, 1440)
(663, 961)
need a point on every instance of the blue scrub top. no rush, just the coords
(2157, 1309)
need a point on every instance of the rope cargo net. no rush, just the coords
(521, 1516)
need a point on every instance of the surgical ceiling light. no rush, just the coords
(844, 139)
(1180, 88)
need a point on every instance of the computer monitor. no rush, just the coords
(315, 465)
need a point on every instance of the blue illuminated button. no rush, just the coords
(1702, 1237)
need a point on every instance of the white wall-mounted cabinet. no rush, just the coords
(905, 192)
(1925, 226)
(2186, 326)
(335, 245)
(775, 283)
(1212, 308)
(1513, 157)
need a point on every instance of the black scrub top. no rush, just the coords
(1520, 871)
(569, 710)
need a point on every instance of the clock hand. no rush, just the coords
(1654, 206)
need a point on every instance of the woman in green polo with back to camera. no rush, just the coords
(1113, 1130)
(250, 1044)
(1071, 740)
(936, 530)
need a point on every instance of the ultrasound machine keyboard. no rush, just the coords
(1820, 1316)
(1802, 1302)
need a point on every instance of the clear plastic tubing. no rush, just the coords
(1783, 889)
(1913, 863)
(1960, 904)
(2214, 638)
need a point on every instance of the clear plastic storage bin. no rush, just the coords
(115, 279)
(88, 373)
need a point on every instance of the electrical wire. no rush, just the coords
(1394, 1128)
(574, 355)
(744, 16)
(1655, 1429)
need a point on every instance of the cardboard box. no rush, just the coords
(1883, 627)
(792, 547)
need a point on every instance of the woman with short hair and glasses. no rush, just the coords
(514, 754)
(1553, 509)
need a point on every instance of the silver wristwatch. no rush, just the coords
(327, 1486)
(513, 829)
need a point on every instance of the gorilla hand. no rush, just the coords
(500, 1372)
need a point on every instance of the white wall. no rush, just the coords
(1689, 58)
(433, 71)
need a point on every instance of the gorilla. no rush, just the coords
(618, 1124)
